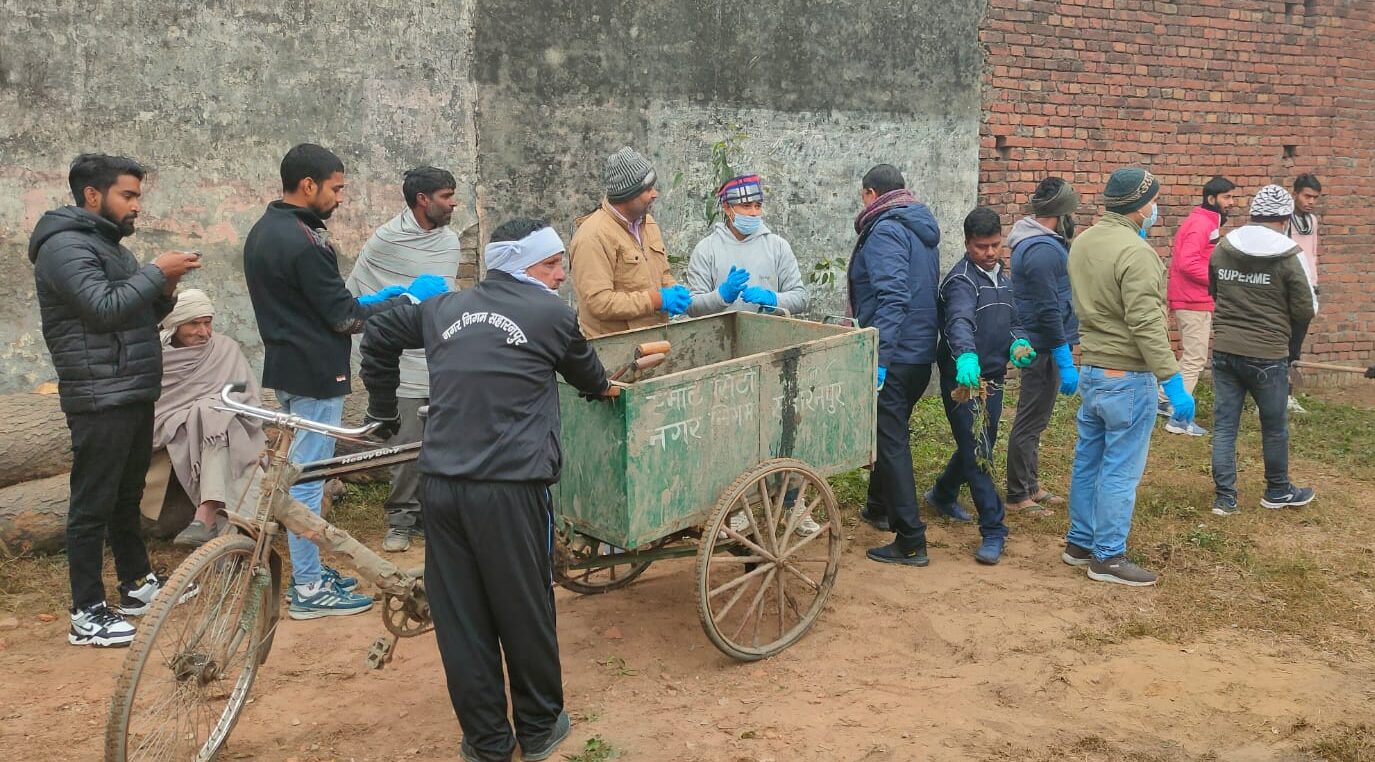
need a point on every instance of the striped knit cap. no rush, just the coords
(1272, 201)
(1129, 189)
(627, 175)
(743, 189)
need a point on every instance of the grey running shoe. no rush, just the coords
(1176, 426)
(1075, 555)
(196, 534)
(398, 539)
(545, 749)
(1120, 571)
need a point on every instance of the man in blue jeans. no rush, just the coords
(1257, 281)
(1118, 286)
(306, 316)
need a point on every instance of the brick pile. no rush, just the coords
(1257, 91)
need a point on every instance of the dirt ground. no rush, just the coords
(1023, 661)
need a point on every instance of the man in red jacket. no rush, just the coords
(1188, 289)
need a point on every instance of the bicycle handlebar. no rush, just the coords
(287, 419)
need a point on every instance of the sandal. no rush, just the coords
(1032, 509)
(1048, 498)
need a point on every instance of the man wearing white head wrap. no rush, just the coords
(490, 451)
(213, 452)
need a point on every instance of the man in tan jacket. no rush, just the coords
(619, 263)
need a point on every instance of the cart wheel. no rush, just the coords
(760, 584)
(187, 675)
(576, 548)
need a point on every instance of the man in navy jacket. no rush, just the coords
(1040, 289)
(892, 276)
(980, 333)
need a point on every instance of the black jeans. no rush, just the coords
(892, 487)
(1267, 381)
(1040, 382)
(110, 454)
(489, 579)
(964, 466)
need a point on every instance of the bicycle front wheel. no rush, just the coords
(188, 672)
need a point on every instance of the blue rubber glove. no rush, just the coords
(1181, 400)
(1069, 375)
(1026, 359)
(427, 286)
(675, 299)
(734, 284)
(882, 375)
(967, 370)
(383, 295)
(760, 296)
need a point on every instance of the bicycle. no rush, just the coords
(188, 672)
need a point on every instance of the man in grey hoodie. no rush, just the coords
(740, 250)
(741, 264)
(1261, 292)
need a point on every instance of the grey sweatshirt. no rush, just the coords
(768, 258)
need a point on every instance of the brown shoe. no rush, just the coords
(1120, 571)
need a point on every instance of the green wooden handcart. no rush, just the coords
(720, 452)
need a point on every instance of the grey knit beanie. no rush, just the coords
(1129, 189)
(627, 175)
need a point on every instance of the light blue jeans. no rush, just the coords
(305, 448)
(1115, 423)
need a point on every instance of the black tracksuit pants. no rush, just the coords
(111, 450)
(489, 579)
(892, 486)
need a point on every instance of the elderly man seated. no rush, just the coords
(213, 453)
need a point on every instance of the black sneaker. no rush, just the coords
(1225, 506)
(545, 750)
(135, 598)
(953, 510)
(1118, 570)
(877, 522)
(1292, 497)
(1076, 555)
(468, 754)
(99, 626)
(892, 554)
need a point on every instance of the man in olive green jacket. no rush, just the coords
(1117, 284)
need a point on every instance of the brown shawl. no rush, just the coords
(185, 421)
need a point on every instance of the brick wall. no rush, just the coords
(1258, 91)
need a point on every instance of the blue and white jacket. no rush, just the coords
(977, 315)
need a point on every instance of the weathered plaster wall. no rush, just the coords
(210, 95)
(820, 90)
(521, 99)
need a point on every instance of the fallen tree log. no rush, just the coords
(36, 443)
(33, 516)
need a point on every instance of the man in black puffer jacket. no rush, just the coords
(100, 312)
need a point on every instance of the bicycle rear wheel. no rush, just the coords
(188, 672)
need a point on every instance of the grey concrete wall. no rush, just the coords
(821, 91)
(521, 99)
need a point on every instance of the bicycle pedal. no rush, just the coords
(380, 652)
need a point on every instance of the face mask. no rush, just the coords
(1065, 227)
(746, 224)
(1151, 220)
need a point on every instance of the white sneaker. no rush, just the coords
(740, 523)
(99, 626)
(1190, 428)
(1295, 407)
(135, 598)
(807, 526)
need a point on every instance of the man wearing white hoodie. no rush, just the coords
(739, 251)
(741, 264)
